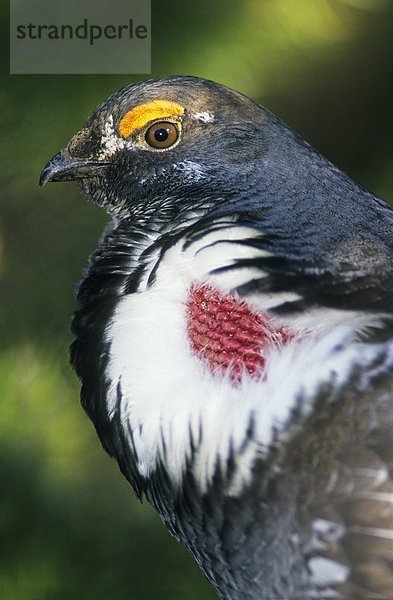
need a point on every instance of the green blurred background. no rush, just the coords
(69, 524)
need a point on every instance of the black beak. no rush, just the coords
(62, 167)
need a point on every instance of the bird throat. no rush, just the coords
(230, 337)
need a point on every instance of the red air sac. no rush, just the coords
(227, 334)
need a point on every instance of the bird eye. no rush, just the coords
(162, 134)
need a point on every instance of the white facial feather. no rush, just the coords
(324, 571)
(204, 117)
(170, 397)
(191, 171)
(111, 141)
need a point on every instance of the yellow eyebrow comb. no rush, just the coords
(139, 116)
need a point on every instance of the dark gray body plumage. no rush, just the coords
(261, 544)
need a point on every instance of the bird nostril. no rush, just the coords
(82, 145)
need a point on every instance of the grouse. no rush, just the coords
(234, 339)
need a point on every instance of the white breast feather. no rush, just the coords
(170, 394)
